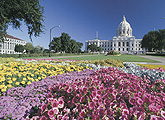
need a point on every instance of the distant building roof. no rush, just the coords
(12, 37)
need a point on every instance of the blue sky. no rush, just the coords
(82, 18)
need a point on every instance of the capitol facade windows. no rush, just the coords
(123, 42)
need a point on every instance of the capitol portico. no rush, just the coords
(123, 42)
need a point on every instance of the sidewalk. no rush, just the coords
(160, 59)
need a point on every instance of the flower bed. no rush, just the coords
(19, 74)
(19, 102)
(107, 94)
(152, 66)
(151, 74)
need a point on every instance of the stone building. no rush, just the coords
(8, 46)
(123, 42)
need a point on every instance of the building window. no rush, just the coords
(127, 49)
(123, 43)
(132, 44)
(123, 49)
(119, 49)
(132, 48)
(127, 43)
(119, 43)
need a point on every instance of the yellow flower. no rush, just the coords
(28, 82)
(24, 79)
(17, 83)
(9, 81)
(1, 86)
(3, 90)
(23, 82)
(9, 85)
(14, 79)
(36, 79)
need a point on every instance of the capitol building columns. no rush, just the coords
(123, 42)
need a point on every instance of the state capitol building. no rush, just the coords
(123, 42)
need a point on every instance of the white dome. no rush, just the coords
(124, 28)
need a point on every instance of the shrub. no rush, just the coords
(112, 52)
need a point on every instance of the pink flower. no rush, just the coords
(91, 105)
(94, 93)
(43, 118)
(56, 110)
(74, 100)
(132, 101)
(108, 112)
(69, 90)
(125, 112)
(82, 99)
(60, 104)
(59, 117)
(43, 107)
(114, 92)
(153, 117)
(101, 88)
(82, 114)
(84, 90)
(51, 112)
(80, 118)
(101, 112)
(99, 92)
(163, 114)
(139, 101)
(54, 104)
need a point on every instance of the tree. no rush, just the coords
(65, 39)
(38, 49)
(100, 49)
(92, 47)
(19, 48)
(73, 46)
(154, 40)
(29, 47)
(15, 12)
(56, 44)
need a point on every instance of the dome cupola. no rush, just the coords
(124, 28)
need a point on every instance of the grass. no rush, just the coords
(124, 58)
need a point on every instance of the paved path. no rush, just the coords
(160, 59)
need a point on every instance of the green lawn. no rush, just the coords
(124, 58)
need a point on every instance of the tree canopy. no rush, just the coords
(16, 12)
(64, 43)
(19, 48)
(154, 40)
(94, 48)
(29, 47)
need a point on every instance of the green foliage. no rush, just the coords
(29, 47)
(94, 48)
(14, 12)
(154, 40)
(64, 43)
(19, 48)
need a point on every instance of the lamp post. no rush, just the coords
(50, 38)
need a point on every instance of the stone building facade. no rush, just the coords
(8, 46)
(123, 42)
